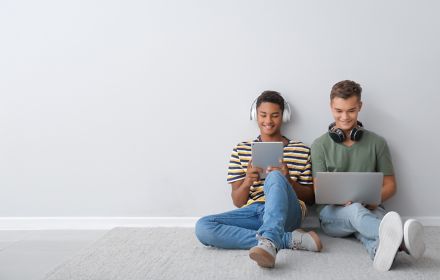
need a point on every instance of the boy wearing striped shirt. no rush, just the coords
(270, 210)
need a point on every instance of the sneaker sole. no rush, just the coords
(413, 238)
(390, 239)
(261, 257)
(315, 237)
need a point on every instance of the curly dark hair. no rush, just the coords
(272, 97)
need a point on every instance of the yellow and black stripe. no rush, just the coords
(296, 155)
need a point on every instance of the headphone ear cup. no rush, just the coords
(286, 116)
(254, 111)
(356, 134)
(336, 134)
(286, 112)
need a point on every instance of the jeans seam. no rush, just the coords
(250, 215)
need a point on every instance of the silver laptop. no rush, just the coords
(342, 187)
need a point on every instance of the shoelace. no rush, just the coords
(266, 242)
(297, 244)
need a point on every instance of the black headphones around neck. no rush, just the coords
(338, 134)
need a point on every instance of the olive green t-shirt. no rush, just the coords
(369, 154)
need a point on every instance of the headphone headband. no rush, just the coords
(286, 112)
(333, 124)
(338, 134)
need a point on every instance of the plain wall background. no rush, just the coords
(132, 108)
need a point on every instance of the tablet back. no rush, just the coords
(266, 154)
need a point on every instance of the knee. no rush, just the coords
(275, 176)
(357, 210)
(203, 230)
(356, 207)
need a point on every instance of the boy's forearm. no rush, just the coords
(303, 192)
(240, 194)
(389, 187)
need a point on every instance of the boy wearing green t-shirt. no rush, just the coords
(348, 147)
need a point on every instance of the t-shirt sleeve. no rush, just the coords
(305, 177)
(236, 171)
(318, 159)
(384, 161)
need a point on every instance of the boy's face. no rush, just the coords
(269, 118)
(345, 112)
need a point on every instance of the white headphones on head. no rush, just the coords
(286, 112)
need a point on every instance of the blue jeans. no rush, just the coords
(342, 221)
(274, 219)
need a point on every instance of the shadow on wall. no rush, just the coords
(394, 130)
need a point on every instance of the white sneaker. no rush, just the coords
(390, 239)
(264, 253)
(308, 241)
(413, 238)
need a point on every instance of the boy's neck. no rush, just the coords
(272, 138)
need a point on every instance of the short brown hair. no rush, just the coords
(346, 89)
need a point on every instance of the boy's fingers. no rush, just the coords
(348, 203)
(255, 169)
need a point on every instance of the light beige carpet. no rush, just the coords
(174, 253)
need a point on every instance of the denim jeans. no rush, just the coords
(274, 219)
(342, 221)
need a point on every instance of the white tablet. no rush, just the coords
(265, 154)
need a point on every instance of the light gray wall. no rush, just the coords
(131, 108)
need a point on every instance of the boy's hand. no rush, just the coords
(282, 168)
(252, 174)
(370, 206)
(348, 203)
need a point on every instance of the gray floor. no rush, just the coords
(175, 253)
(29, 255)
(33, 254)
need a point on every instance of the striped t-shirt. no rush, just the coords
(296, 155)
